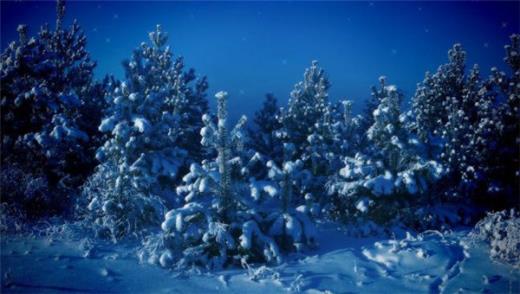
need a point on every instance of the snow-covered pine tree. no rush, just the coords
(205, 230)
(504, 122)
(307, 105)
(369, 186)
(433, 96)
(387, 134)
(154, 69)
(291, 228)
(307, 124)
(444, 114)
(460, 118)
(148, 122)
(225, 214)
(49, 99)
(347, 129)
(367, 118)
(266, 125)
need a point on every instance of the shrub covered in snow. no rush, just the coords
(116, 209)
(28, 192)
(502, 231)
(49, 101)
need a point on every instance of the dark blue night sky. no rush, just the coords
(250, 48)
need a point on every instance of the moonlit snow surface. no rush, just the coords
(428, 262)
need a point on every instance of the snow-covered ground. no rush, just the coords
(429, 262)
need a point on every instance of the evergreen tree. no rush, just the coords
(462, 119)
(433, 97)
(307, 105)
(150, 117)
(380, 183)
(225, 214)
(387, 134)
(498, 132)
(204, 231)
(49, 99)
(266, 125)
(148, 128)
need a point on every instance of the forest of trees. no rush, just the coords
(144, 152)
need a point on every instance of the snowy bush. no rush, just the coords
(502, 231)
(28, 192)
(114, 208)
(48, 101)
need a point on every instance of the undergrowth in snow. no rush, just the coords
(502, 231)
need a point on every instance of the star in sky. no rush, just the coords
(504, 24)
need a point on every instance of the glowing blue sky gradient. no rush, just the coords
(250, 48)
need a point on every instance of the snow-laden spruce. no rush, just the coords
(150, 118)
(50, 104)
